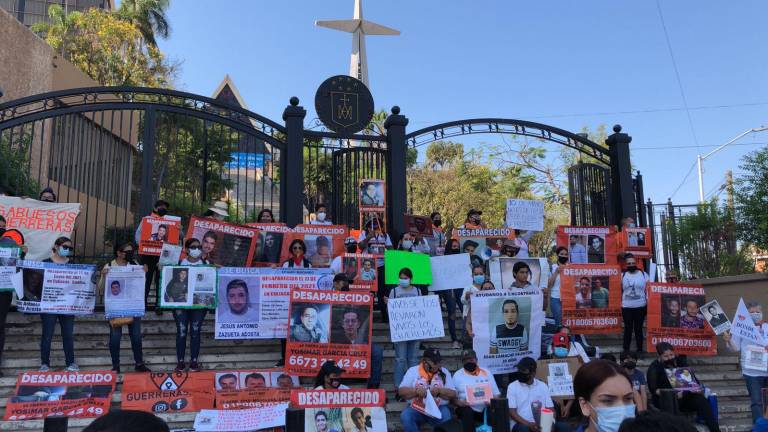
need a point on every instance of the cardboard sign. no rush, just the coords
(756, 358)
(60, 394)
(450, 272)
(558, 374)
(67, 289)
(342, 410)
(241, 389)
(715, 317)
(329, 325)
(124, 292)
(40, 222)
(188, 287)
(223, 243)
(323, 242)
(267, 416)
(526, 215)
(415, 318)
(269, 247)
(157, 231)
(168, 392)
(674, 317)
(418, 225)
(591, 298)
(589, 245)
(8, 258)
(395, 260)
(482, 243)
(361, 271)
(373, 195)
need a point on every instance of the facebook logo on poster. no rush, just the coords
(246, 160)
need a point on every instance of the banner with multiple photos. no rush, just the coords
(591, 298)
(674, 317)
(342, 410)
(482, 243)
(158, 231)
(68, 289)
(323, 242)
(636, 240)
(40, 395)
(329, 325)
(9, 255)
(361, 271)
(223, 243)
(507, 326)
(167, 392)
(124, 292)
(188, 287)
(255, 388)
(253, 302)
(40, 222)
(589, 244)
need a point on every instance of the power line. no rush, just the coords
(690, 170)
(694, 146)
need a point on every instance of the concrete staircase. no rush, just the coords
(720, 373)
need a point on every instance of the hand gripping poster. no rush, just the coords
(60, 394)
(254, 388)
(68, 289)
(224, 244)
(188, 287)
(269, 247)
(329, 325)
(589, 244)
(591, 298)
(167, 392)
(253, 302)
(507, 326)
(157, 231)
(674, 317)
(342, 410)
(40, 222)
(124, 292)
(323, 243)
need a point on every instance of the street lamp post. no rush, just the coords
(700, 159)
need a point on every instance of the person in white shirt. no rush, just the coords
(578, 253)
(523, 394)
(427, 376)
(472, 378)
(321, 216)
(633, 302)
(238, 308)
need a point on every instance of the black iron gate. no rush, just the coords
(350, 166)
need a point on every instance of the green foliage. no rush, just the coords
(148, 16)
(15, 176)
(751, 198)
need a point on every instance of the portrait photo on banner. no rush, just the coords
(588, 245)
(682, 311)
(188, 286)
(309, 322)
(238, 299)
(370, 419)
(530, 265)
(360, 270)
(124, 292)
(372, 195)
(224, 244)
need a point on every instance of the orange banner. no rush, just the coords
(674, 317)
(589, 244)
(323, 242)
(168, 392)
(60, 394)
(591, 298)
(155, 231)
(223, 243)
(243, 389)
(269, 247)
(361, 271)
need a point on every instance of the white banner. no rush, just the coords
(268, 416)
(525, 215)
(67, 289)
(40, 222)
(124, 292)
(507, 326)
(744, 328)
(8, 258)
(450, 272)
(253, 301)
(415, 318)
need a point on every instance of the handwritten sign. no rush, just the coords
(525, 215)
(450, 272)
(415, 318)
(267, 416)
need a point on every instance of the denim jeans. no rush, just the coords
(67, 324)
(412, 419)
(450, 304)
(556, 306)
(754, 387)
(377, 361)
(188, 321)
(406, 356)
(116, 334)
(457, 298)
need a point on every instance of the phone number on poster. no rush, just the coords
(314, 362)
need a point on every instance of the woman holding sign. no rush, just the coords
(62, 251)
(189, 321)
(406, 352)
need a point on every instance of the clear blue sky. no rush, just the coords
(566, 63)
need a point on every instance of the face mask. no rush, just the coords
(162, 211)
(562, 259)
(524, 378)
(476, 220)
(196, 252)
(407, 244)
(455, 251)
(321, 216)
(631, 225)
(756, 316)
(129, 256)
(631, 269)
(405, 283)
(437, 222)
(561, 352)
(470, 366)
(609, 418)
(629, 365)
(219, 217)
(670, 363)
(478, 279)
(335, 383)
(64, 252)
(352, 248)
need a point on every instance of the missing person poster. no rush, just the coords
(415, 318)
(373, 196)
(9, 255)
(418, 225)
(67, 289)
(715, 317)
(507, 327)
(323, 242)
(223, 243)
(588, 244)
(674, 317)
(526, 215)
(342, 410)
(361, 271)
(635, 240)
(516, 273)
(245, 420)
(40, 222)
(329, 325)
(483, 243)
(60, 394)
(253, 302)
(557, 374)
(241, 389)
(124, 292)
(269, 247)
(188, 287)
(591, 298)
(160, 392)
(157, 231)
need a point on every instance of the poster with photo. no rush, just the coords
(67, 289)
(516, 273)
(124, 292)
(589, 244)
(591, 298)
(636, 240)
(329, 325)
(342, 410)
(224, 244)
(507, 327)
(483, 243)
(269, 246)
(241, 389)
(373, 195)
(188, 287)
(9, 255)
(323, 242)
(674, 316)
(157, 231)
(682, 379)
(557, 374)
(715, 316)
(360, 270)
(418, 225)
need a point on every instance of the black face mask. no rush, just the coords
(437, 222)
(670, 363)
(352, 248)
(128, 255)
(455, 251)
(162, 211)
(631, 269)
(525, 377)
(629, 364)
(470, 366)
(562, 259)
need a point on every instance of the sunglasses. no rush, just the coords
(296, 247)
(127, 251)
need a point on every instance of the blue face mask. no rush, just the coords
(478, 279)
(561, 352)
(609, 418)
(405, 283)
(64, 252)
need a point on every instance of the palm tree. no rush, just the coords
(59, 28)
(148, 16)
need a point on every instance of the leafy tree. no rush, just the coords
(148, 16)
(751, 198)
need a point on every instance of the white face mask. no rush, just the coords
(407, 244)
(321, 216)
(609, 418)
(195, 253)
(756, 316)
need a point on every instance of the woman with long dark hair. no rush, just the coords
(189, 321)
(605, 395)
(62, 252)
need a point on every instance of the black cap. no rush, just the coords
(330, 367)
(433, 354)
(527, 363)
(472, 243)
(474, 211)
(468, 354)
(350, 241)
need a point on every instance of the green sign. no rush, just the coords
(394, 261)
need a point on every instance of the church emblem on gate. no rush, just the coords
(344, 104)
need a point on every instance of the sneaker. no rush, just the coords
(141, 367)
(456, 345)
(280, 363)
(194, 366)
(73, 367)
(116, 369)
(44, 368)
(180, 366)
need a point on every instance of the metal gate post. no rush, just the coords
(147, 200)
(397, 191)
(621, 175)
(292, 165)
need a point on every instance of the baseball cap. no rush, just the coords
(433, 354)
(527, 363)
(350, 240)
(468, 354)
(330, 367)
(474, 211)
(561, 340)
